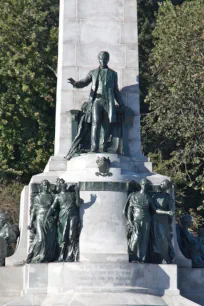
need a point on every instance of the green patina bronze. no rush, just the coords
(54, 223)
(161, 232)
(43, 228)
(137, 213)
(66, 202)
(100, 110)
(191, 247)
(8, 236)
(149, 217)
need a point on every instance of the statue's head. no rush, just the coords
(186, 220)
(62, 185)
(3, 218)
(45, 186)
(103, 58)
(145, 184)
(165, 185)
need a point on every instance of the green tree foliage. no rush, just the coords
(147, 11)
(146, 23)
(28, 57)
(10, 199)
(173, 130)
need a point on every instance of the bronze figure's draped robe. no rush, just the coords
(161, 228)
(68, 224)
(43, 247)
(139, 211)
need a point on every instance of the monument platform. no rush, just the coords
(98, 283)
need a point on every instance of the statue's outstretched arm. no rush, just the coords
(161, 211)
(83, 82)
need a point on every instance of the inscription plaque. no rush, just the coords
(100, 275)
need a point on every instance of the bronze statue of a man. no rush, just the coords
(101, 110)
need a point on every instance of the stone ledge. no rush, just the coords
(55, 277)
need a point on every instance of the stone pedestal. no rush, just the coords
(86, 28)
(96, 284)
(103, 235)
(101, 277)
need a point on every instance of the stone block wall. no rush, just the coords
(86, 28)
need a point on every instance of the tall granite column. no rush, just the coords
(86, 28)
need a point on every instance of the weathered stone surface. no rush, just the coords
(68, 9)
(90, 299)
(69, 50)
(67, 101)
(103, 225)
(134, 132)
(11, 281)
(66, 73)
(21, 251)
(133, 101)
(80, 96)
(109, 277)
(132, 56)
(100, 32)
(64, 129)
(134, 147)
(129, 33)
(130, 80)
(87, 55)
(93, 284)
(88, 9)
(71, 31)
(191, 284)
(130, 10)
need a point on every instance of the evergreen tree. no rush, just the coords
(146, 23)
(28, 56)
(147, 11)
(173, 130)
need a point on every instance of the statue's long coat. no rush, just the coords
(112, 92)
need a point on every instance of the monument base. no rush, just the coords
(93, 284)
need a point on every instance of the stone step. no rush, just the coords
(72, 298)
(89, 299)
(4, 300)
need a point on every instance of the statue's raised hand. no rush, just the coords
(72, 81)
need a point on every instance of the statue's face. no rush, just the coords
(45, 186)
(103, 60)
(165, 185)
(144, 184)
(63, 186)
